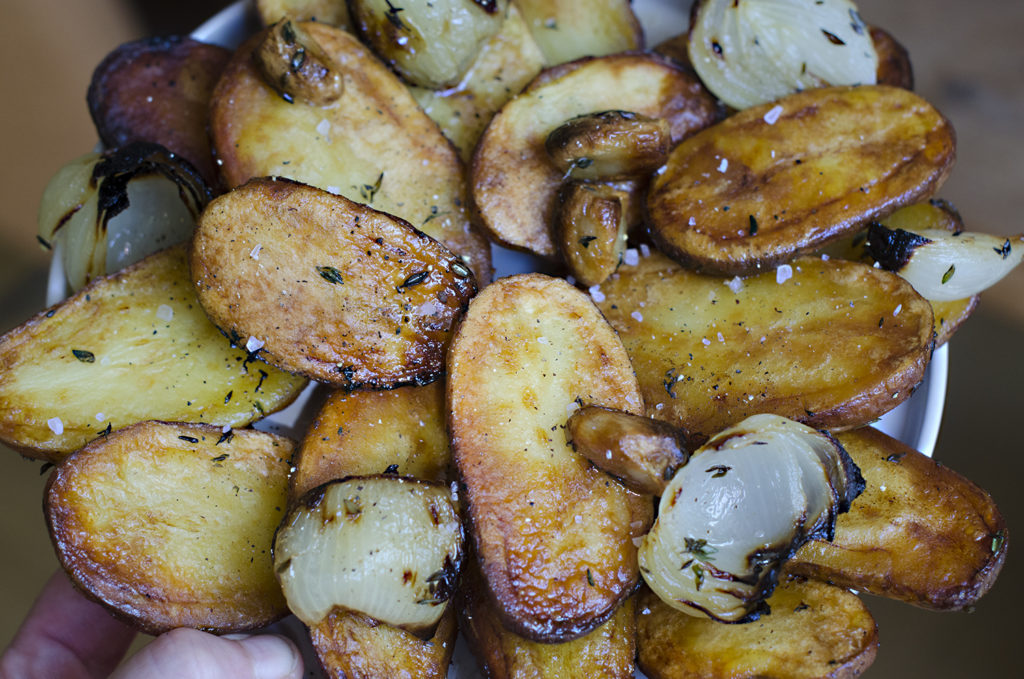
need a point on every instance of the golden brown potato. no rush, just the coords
(374, 145)
(354, 646)
(834, 346)
(333, 12)
(813, 631)
(170, 525)
(326, 287)
(505, 65)
(158, 90)
(590, 229)
(77, 370)
(554, 535)
(514, 181)
(605, 653)
(784, 178)
(641, 452)
(361, 433)
(893, 60)
(571, 29)
(919, 532)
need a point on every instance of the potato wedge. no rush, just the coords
(554, 535)
(359, 298)
(158, 90)
(894, 66)
(353, 646)
(130, 347)
(567, 30)
(919, 532)
(784, 178)
(814, 631)
(360, 433)
(505, 65)
(374, 145)
(514, 181)
(606, 653)
(170, 525)
(835, 346)
(333, 12)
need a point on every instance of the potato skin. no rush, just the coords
(338, 291)
(835, 346)
(814, 631)
(554, 535)
(170, 525)
(158, 90)
(920, 532)
(746, 194)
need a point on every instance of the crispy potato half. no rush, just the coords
(919, 532)
(782, 179)
(554, 535)
(834, 346)
(361, 433)
(326, 287)
(813, 631)
(333, 12)
(158, 90)
(373, 144)
(605, 653)
(129, 347)
(515, 182)
(170, 525)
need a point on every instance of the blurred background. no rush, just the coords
(968, 59)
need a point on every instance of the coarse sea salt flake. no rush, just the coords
(637, 316)
(645, 250)
(783, 274)
(55, 425)
(543, 340)
(631, 257)
(164, 312)
(691, 222)
(336, 190)
(323, 127)
(721, 337)
(724, 165)
(773, 114)
(735, 284)
(596, 294)
(100, 417)
(255, 252)
(897, 310)
(705, 341)
(252, 344)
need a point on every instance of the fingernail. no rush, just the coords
(273, 657)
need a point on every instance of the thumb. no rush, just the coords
(190, 654)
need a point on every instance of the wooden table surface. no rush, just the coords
(968, 59)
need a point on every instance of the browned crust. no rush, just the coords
(554, 534)
(746, 195)
(894, 66)
(98, 502)
(920, 532)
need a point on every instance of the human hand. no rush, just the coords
(66, 635)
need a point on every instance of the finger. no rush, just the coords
(66, 635)
(190, 654)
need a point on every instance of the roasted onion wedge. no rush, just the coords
(170, 525)
(744, 502)
(358, 297)
(835, 345)
(389, 547)
(130, 347)
(607, 652)
(515, 182)
(158, 90)
(920, 532)
(374, 145)
(784, 178)
(814, 631)
(554, 535)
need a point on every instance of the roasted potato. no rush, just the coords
(606, 653)
(504, 66)
(374, 145)
(919, 532)
(515, 182)
(834, 346)
(894, 67)
(170, 525)
(567, 30)
(553, 534)
(784, 178)
(333, 12)
(813, 631)
(359, 298)
(158, 90)
(130, 347)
